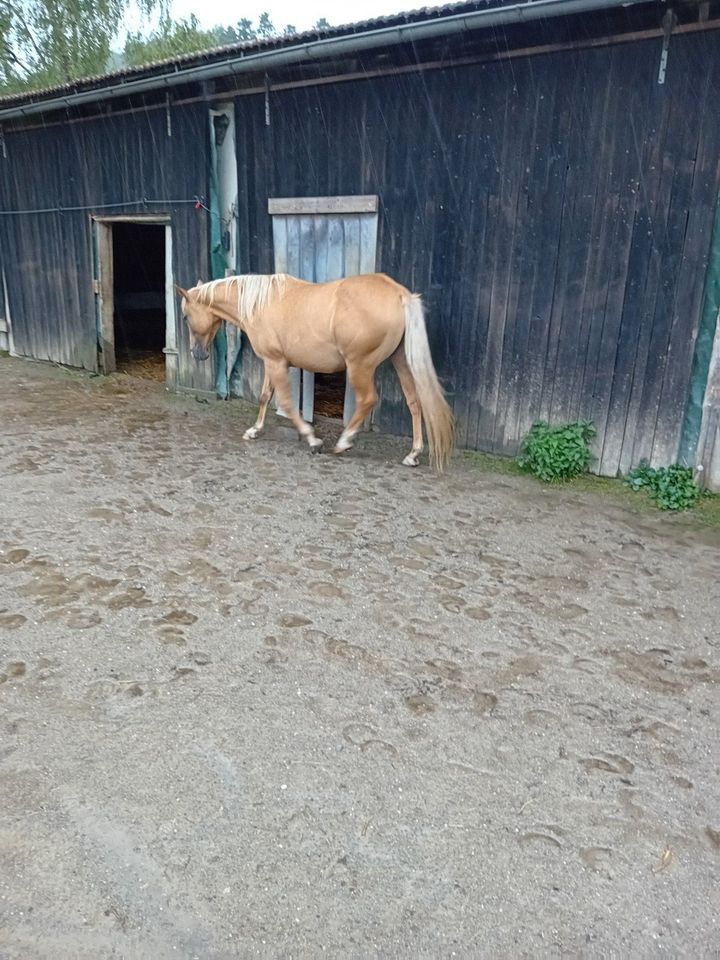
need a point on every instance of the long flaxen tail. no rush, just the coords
(439, 421)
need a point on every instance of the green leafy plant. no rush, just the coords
(672, 488)
(557, 453)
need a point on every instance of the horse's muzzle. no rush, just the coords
(199, 353)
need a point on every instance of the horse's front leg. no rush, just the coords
(265, 397)
(279, 376)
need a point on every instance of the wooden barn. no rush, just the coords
(546, 173)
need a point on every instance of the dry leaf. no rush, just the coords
(665, 860)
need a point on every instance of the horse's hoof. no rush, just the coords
(340, 450)
(315, 444)
(410, 461)
(251, 433)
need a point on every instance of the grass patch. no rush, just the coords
(492, 463)
(706, 512)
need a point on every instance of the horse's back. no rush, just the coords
(371, 285)
(331, 324)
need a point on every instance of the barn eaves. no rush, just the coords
(336, 44)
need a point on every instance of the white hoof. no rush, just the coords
(315, 443)
(344, 442)
(411, 460)
(252, 433)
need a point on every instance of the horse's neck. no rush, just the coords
(226, 303)
(242, 307)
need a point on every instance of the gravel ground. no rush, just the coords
(255, 703)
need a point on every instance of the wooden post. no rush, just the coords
(707, 468)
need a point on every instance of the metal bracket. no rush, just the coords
(669, 21)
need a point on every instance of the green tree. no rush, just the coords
(171, 39)
(176, 37)
(266, 28)
(49, 42)
(46, 42)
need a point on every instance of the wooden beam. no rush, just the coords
(315, 206)
(105, 288)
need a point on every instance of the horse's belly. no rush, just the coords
(315, 357)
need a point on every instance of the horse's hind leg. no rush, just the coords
(362, 380)
(407, 382)
(265, 397)
(279, 377)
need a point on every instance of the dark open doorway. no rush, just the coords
(138, 253)
(329, 395)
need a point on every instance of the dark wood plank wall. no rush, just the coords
(555, 211)
(48, 257)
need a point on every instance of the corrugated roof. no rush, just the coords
(217, 54)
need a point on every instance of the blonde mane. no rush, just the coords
(254, 292)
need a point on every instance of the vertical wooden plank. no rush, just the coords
(286, 244)
(335, 260)
(368, 242)
(292, 254)
(307, 272)
(307, 248)
(321, 228)
(294, 268)
(352, 265)
(280, 244)
(351, 250)
(107, 303)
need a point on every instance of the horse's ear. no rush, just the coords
(199, 283)
(183, 293)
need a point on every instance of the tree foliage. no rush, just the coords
(49, 42)
(172, 38)
(46, 42)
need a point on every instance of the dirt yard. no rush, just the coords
(255, 703)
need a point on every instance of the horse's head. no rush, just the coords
(203, 323)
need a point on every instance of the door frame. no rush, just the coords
(104, 291)
(302, 382)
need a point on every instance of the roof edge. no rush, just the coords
(254, 60)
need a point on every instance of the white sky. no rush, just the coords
(301, 14)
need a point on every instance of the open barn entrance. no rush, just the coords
(139, 298)
(136, 321)
(330, 395)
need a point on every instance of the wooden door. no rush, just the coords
(321, 239)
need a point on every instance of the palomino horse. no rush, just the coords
(351, 324)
